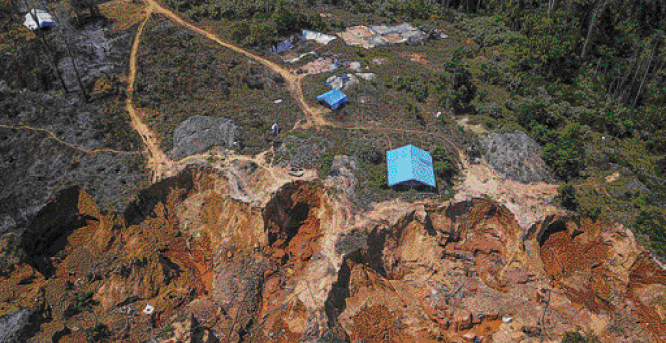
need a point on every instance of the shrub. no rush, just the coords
(660, 166)
(444, 166)
(370, 154)
(567, 154)
(651, 222)
(592, 212)
(239, 30)
(492, 110)
(376, 175)
(486, 31)
(567, 197)
(262, 34)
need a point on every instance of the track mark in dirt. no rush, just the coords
(54, 137)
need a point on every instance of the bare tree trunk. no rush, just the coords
(76, 70)
(551, 6)
(625, 97)
(597, 69)
(590, 28)
(619, 90)
(54, 63)
(645, 75)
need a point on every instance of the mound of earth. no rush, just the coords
(516, 156)
(199, 133)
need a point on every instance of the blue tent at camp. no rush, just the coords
(334, 98)
(44, 20)
(409, 166)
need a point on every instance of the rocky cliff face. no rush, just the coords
(300, 264)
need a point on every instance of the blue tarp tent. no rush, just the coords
(283, 46)
(333, 98)
(409, 166)
(43, 20)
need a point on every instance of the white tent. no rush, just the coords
(317, 36)
(43, 20)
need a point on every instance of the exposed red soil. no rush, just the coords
(377, 324)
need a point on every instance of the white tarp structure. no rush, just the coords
(43, 20)
(316, 36)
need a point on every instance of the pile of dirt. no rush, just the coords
(516, 156)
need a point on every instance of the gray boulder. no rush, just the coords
(13, 326)
(199, 133)
(516, 156)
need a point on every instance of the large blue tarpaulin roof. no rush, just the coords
(333, 98)
(409, 163)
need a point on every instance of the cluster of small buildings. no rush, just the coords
(407, 167)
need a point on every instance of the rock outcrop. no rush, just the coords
(198, 133)
(515, 155)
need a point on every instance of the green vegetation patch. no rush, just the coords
(182, 74)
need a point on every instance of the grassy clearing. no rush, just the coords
(183, 74)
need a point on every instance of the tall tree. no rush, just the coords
(658, 38)
(600, 5)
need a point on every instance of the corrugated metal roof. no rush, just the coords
(409, 163)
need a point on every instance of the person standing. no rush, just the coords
(276, 130)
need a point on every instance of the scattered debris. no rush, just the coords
(367, 76)
(321, 65)
(355, 66)
(376, 35)
(296, 59)
(342, 81)
(379, 60)
(149, 309)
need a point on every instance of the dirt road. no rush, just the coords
(314, 115)
(55, 138)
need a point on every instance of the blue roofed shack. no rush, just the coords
(334, 98)
(409, 166)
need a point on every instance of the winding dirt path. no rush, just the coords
(158, 162)
(315, 115)
(75, 147)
